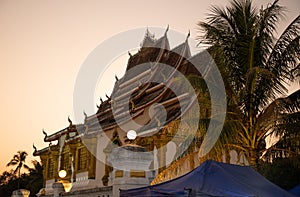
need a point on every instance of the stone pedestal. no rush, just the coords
(57, 189)
(131, 167)
(20, 193)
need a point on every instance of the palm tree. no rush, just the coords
(256, 68)
(35, 178)
(19, 161)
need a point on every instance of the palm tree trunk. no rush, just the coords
(253, 158)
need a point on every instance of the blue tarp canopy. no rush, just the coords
(295, 190)
(214, 179)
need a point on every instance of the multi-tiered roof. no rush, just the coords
(147, 81)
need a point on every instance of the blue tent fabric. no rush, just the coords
(213, 179)
(295, 190)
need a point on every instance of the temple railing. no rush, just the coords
(178, 168)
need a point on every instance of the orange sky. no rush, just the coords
(44, 42)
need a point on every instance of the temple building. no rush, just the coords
(150, 99)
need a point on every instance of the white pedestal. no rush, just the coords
(131, 167)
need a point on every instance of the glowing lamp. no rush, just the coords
(131, 135)
(62, 174)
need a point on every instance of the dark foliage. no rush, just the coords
(284, 172)
(32, 181)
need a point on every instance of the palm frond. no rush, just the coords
(286, 48)
(272, 112)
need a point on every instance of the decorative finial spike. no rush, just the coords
(129, 54)
(189, 34)
(70, 121)
(35, 149)
(101, 100)
(117, 76)
(44, 132)
(107, 96)
(85, 115)
(148, 34)
(167, 30)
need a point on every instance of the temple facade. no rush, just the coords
(150, 99)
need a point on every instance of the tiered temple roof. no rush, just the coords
(146, 81)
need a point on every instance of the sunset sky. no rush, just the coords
(44, 42)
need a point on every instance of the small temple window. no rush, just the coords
(82, 158)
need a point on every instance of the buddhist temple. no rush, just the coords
(151, 99)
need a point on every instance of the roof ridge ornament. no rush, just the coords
(101, 100)
(129, 54)
(149, 34)
(34, 147)
(85, 115)
(187, 37)
(166, 30)
(44, 132)
(149, 39)
(70, 121)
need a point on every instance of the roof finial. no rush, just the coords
(44, 132)
(148, 34)
(167, 30)
(101, 100)
(147, 31)
(85, 115)
(70, 121)
(116, 77)
(129, 54)
(189, 34)
(35, 149)
(107, 96)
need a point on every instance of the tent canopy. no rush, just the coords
(295, 190)
(214, 179)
